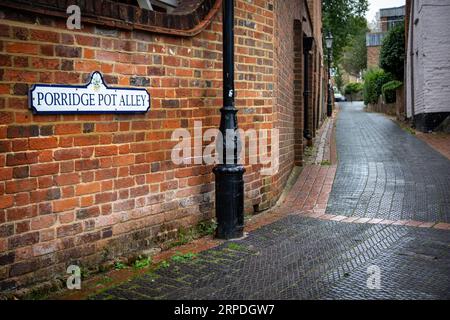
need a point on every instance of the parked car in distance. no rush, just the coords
(339, 97)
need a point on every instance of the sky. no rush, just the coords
(376, 5)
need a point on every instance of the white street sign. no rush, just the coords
(94, 97)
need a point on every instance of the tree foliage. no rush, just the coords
(392, 53)
(374, 80)
(353, 88)
(344, 19)
(354, 58)
(389, 90)
(338, 80)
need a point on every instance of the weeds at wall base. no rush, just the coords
(135, 263)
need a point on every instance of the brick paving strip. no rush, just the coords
(439, 141)
(310, 192)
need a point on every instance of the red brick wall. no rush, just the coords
(298, 92)
(285, 111)
(315, 10)
(384, 24)
(87, 188)
(373, 57)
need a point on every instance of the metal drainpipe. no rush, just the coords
(307, 44)
(229, 174)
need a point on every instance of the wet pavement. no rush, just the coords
(385, 172)
(304, 258)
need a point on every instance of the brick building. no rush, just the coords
(87, 188)
(373, 43)
(387, 19)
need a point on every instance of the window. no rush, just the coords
(374, 39)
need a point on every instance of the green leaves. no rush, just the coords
(344, 19)
(142, 262)
(373, 82)
(235, 246)
(164, 264)
(338, 79)
(392, 53)
(119, 265)
(179, 257)
(354, 58)
(389, 90)
(353, 87)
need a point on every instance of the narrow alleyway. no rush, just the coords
(320, 251)
(385, 172)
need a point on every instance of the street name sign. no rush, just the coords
(94, 97)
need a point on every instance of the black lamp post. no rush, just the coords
(229, 174)
(329, 44)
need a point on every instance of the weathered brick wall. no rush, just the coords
(315, 9)
(298, 93)
(384, 24)
(373, 56)
(84, 189)
(286, 115)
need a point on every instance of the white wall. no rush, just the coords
(431, 54)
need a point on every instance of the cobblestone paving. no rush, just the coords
(385, 172)
(304, 258)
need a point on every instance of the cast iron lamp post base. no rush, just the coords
(229, 201)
